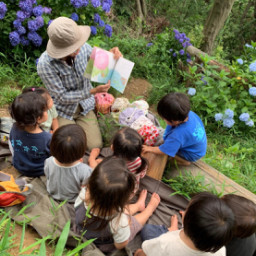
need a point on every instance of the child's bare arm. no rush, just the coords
(55, 124)
(120, 246)
(140, 252)
(93, 162)
(154, 150)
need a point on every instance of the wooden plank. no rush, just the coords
(157, 165)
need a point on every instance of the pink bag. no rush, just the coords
(149, 134)
(103, 102)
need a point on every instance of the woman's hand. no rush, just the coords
(101, 88)
(116, 52)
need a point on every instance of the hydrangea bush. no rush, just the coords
(25, 22)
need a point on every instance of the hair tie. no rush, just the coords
(33, 89)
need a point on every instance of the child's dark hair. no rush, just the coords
(27, 108)
(110, 186)
(208, 222)
(68, 143)
(174, 106)
(245, 214)
(127, 144)
(39, 90)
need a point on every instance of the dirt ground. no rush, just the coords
(135, 88)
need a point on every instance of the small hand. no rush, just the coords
(116, 52)
(103, 87)
(146, 149)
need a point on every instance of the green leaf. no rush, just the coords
(80, 247)
(62, 240)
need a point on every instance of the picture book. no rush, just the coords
(102, 67)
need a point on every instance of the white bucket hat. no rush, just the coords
(65, 37)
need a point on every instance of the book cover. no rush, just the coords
(102, 67)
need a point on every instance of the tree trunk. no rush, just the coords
(215, 21)
(142, 13)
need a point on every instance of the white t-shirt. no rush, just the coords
(119, 226)
(170, 244)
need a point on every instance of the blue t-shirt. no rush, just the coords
(187, 140)
(29, 151)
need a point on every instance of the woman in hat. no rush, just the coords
(61, 68)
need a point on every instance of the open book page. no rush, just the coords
(121, 74)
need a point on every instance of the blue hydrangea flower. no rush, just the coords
(183, 35)
(191, 91)
(252, 91)
(108, 30)
(93, 30)
(14, 38)
(35, 38)
(26, 5)
(47, 10)
(171, 50)
(96, 18)
(181, 40)
(24, 41)
(16, 23)
(252, 66)
(174, 54)
(106, 7)
(244, 117)
(176, 31)
(229, 113)
(182, 52)
(85, 3)
(149, 44)
(218, 117)
(3, 10)
(49, 23)
(37, 61)
(21, 15)
(32, 25)
(240, 61)
(101, 23)
(38, 11)
(228, 122)
(249, 123)
(95, 3)
(188, 60)
(21, 30)
(74, 16)
(77, 3)
(248, 46)
(177, 37)
(39, 21)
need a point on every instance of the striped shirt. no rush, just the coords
(66, 84)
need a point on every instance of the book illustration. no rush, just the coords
(102, 67)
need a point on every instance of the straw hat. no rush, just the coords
(65, 37)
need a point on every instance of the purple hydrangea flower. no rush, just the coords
(181, 40)
(149, 44)
(33, 1)
(191, 91)
(252, 91)
(47, 10)
(188, 60)
(240, 61)
(252, 66)
(32, 25)
(74, 16)
(37, 61)
(244, 117)
(249, 123)
(21, 30)
(176, 31)
(26, 5)
(174, 54)
(24, 41)
(39, 21)
(3, 10)
(183, 35)
(218, 117)
(95, 3)
(14, 38)
(49, 22)
(182, 52)
(35, 38)
(93, 30)
(228, 122)
(109, 2)
(101, 23)
(96, 18)
(85, 3)
(38, 10)
(77, 3)
(106, 7)
(177, 37)
(108, 30)
(171, 50)
(16, 23)
(229, 113)
(21, 15)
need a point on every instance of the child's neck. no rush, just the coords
(67, 165)
(187, 240)
(33, 129)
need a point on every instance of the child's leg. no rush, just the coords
(148, 211)
(181, 161)
(93, 162)
(174, 223)
(139, 206)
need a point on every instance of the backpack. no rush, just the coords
(12, 191)
(129, 115)
(149, 134)
(103, 102)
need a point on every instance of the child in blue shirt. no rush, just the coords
(184, 138)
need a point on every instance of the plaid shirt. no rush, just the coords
(66, 84)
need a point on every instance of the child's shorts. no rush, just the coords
(151, 231)
(135, 227)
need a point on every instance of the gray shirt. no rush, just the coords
(64, 183)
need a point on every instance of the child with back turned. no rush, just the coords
(184, 138)
(64, 170)
(29, 144)
(106, 197)
(244, 236)
(126, 144)
(208, 225)
(51, 124)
